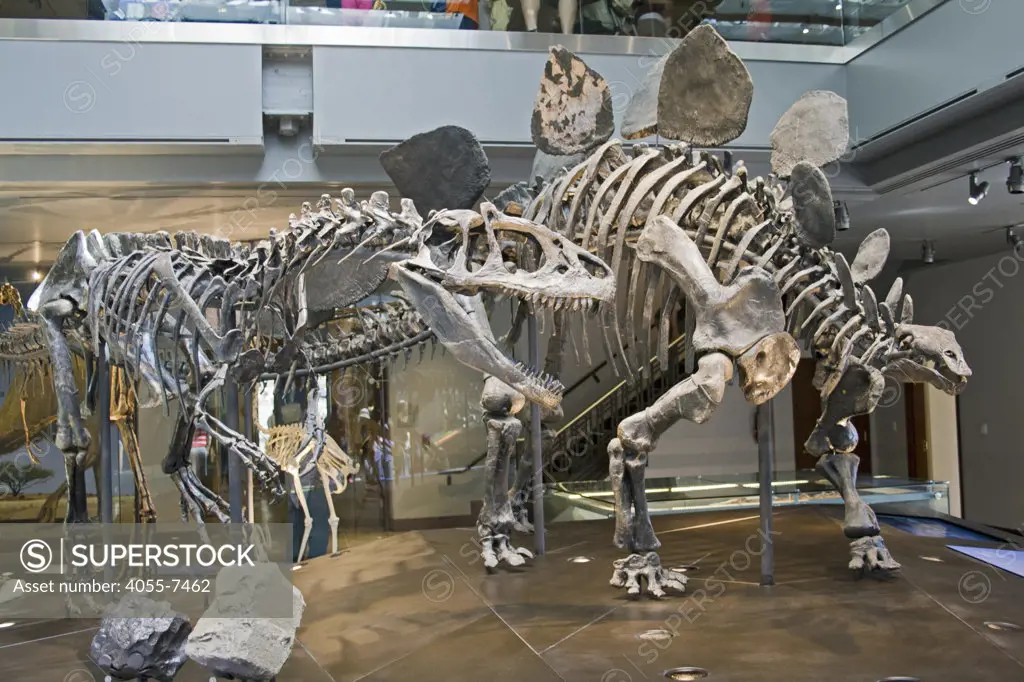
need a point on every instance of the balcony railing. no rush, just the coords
(816, 22)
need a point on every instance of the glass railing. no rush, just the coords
(594, 499)
(818, 22)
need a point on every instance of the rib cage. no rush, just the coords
(604, 202)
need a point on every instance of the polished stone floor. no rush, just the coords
(420, 606)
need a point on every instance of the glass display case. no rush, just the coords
(589, 500)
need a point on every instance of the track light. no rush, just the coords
(928, 251)
(978, 190)
(1015, 180)
(1014, 239)
(842, 215)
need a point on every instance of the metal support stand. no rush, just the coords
(766, 459)
(106, 464)
(236, 472)
(536, 443)
(247, 430)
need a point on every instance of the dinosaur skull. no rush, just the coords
(929, 355)
(467, 252)
(462, 253)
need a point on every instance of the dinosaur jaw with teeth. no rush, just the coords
(460, 323)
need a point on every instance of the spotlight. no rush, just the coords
(928, 252)
(842, 215)
(1015, 180)
(36, 276)
(1013, 238)
(978, 190)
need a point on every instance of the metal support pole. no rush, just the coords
(106, 491)
(247, 431)
(766, 459)
(236, 471)
(536, 443)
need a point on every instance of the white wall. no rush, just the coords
(943, 459)
(982, 301)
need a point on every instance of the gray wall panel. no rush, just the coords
(980, 301)
(365, 93)
(939, 57)
(119, 91)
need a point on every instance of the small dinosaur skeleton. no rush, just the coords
(298, 449)
(748, 259)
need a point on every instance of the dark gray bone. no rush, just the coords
(705, 91)
(813, 211)
(641, 117)
(514, 198)
(895, 293)
(815, 130)
(846, 281)
(459, 171)
(857, 392)
(871, 256)
(906, 314)
(870, 306)
(573, 111)
(730, 318)
(496, 520)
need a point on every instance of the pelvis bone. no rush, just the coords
(743, 319)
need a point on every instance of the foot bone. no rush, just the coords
(496, 548)
(629, 572)
(871, 554)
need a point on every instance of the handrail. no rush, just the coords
(609, 393)
(588, 410)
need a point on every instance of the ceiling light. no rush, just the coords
(978, 190)
(36, 276)
(1015, 180)
(842, 215)
(928, 251)
(806, 30)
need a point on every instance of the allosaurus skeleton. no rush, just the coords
(147, 300)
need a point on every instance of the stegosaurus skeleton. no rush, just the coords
(748, 259)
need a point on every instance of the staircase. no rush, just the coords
(579, 449)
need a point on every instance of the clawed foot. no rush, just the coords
(629, 571)
(496, 548)
(871, 554)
